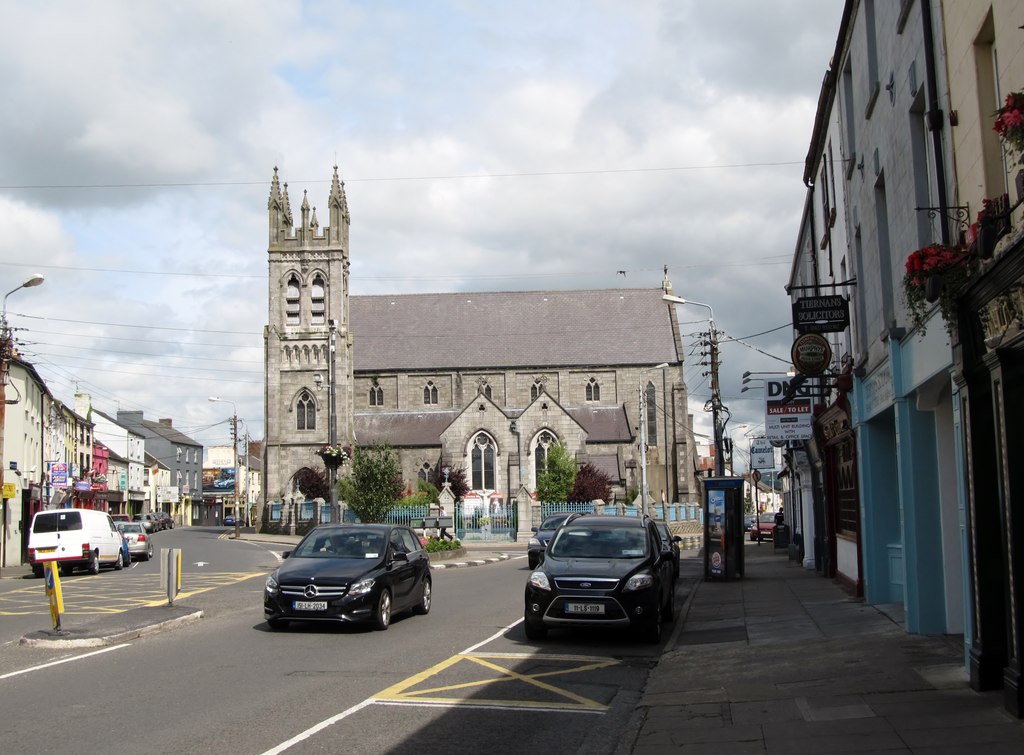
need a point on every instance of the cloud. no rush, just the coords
(492, 146)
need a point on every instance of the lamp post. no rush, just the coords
(644, 494)
(234, 457)
(6, 350)
(716, 396)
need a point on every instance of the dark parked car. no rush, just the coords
(672, 543)
(165, 519)
(345, 573)
(541, 537)
(149, 522)
(229, 520)
(602, 571)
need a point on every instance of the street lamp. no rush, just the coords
(234, 456)
(5, 355)
(643, 434)
(716, 396)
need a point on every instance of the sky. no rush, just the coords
(484, 147)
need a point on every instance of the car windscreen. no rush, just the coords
(125, 527)
(57, 521)
(552, 522)
(351, 544)
(599, 542)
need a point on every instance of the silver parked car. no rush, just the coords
(140, 542)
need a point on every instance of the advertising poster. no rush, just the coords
(716, 532)
(219, 480)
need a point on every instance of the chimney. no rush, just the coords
(166, 421)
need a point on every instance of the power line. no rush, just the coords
(384, 179)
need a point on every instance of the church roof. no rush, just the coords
(502, 329)
(403, 429)
(604, 424)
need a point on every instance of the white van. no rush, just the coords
(75, 537)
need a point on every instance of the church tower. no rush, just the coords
(307, 343)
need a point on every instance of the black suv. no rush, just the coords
(607, 571)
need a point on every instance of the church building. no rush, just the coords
(484, 381)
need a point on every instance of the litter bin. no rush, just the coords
(723, 528)
(780, 535)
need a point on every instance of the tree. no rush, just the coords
(591, 484)
(556, 481)
(456, 479)
(375, 484)
(312, 483)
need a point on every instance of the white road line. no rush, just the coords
(65, 660)
(303, 736)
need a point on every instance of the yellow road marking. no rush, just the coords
(404, 692)
(87, 596)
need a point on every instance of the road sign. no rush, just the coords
(821, 314)
(784, 418)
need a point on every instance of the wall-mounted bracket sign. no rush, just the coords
(821, 314)
(811, 354)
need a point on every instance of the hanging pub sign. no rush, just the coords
(821, 314)
(811, 354)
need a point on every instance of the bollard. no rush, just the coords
(170, 572)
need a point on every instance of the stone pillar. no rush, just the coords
(524, 510)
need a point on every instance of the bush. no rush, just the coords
(436, 544)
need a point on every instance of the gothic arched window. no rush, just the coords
(430, 393)
(485, 389)
(482, 461)
(535, 389)
(425, 472)
(652, 416)
(540, 453)
(305, 412)
(291, 300)
(593, 390)
(376, 395)
(318, 306)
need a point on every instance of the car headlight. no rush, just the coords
(272, 586)
(361, 588)
(540, 580)
(534, 543)
(639, 581)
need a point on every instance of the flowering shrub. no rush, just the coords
(934, 272)
(435, 544)
(1010, 122)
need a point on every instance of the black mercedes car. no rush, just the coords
(607, 571)
(350, 573)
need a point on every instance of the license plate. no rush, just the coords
(46, 550)
(310, 605)
(584, 607)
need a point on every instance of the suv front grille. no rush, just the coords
(322, 592)
(597, 584)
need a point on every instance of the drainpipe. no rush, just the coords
(935, 115)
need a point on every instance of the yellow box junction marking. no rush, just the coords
(97, 594)
(403, 692)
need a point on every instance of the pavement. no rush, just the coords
(785, 661)
(781, 661)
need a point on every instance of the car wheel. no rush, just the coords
(382, 616)
(119, 564)
(277, 624)
(650, 630)
(532, 561)
(94, 563)
(37, 570)
(423, 607)
(534, 630)
(669, 609)
(148, 554)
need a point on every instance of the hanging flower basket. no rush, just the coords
(1010, 123)
(333, 456)
(935, 273)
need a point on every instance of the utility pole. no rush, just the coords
(332, 469)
